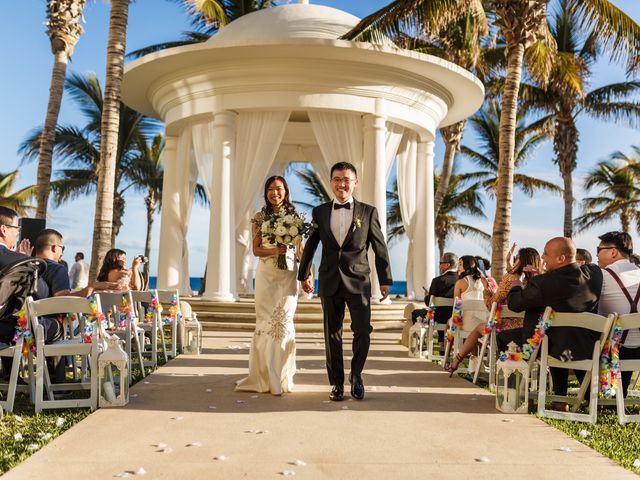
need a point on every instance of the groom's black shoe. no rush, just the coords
(357, 387)
(337, 393)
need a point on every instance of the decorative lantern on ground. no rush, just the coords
(512, 382)
(416, 339)
(187, 312)
(113, 381)
(193, 336)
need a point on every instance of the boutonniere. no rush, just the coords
(357, 223)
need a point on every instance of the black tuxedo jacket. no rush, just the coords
(347, 263)
(568, 289)
(442, 286)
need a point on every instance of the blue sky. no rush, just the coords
(24, 84)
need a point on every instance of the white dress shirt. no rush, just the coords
(341, 220)
(613, 300)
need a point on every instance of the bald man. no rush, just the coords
(565, 287)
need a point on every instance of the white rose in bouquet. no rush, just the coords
(265, 227)
(279, 239)
(297, 240)
(293, 231)
(287, 239)
(288, 218)
(281, 230)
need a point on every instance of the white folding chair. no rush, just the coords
(73, 346)
(153, 328)
(131, 333)
(627, 322)
(9, 389)
(437, 327)
(591, 366)
(469, 323)
(490, 341)
(165, 297)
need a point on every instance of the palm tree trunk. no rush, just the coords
(565, 145)
(504, 193)
(102, 226)
(48, 135)
(519, 22)
(441, 245)
(118, 213)
(64, 30)
(452, 136)
(625, 220)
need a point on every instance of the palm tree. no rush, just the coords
(116, 45)
(64, 30)
(619, 195)
(523, 26)
(18, 201)
(207, 18)
(313, 186)
(529, 137)
(566, 96)
(79, 148)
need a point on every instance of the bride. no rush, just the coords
(272, 362)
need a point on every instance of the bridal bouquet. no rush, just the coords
(284, 228)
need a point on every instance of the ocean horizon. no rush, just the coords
(399, 287)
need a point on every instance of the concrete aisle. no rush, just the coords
(414, 423)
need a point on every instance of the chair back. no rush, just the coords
(474, 312)
(166, 296)
(589, 321)
(628, 321)
(55, 305)
(442, 302)
(113, 301)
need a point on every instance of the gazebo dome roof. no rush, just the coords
(283, 23)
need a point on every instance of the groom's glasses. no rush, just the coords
(339, 180)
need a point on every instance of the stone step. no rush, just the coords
(305, 327)
(250, 317)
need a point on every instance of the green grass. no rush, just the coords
(38, 430)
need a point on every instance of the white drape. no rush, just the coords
(393, 137)
(202, 134)
(187, 172)
(339, 136)
(406, 167)
(258, 139)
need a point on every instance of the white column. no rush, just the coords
(374, 181)
(170, 248)
(220, 286)
(424, 245)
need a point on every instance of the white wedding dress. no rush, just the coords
(272, 359)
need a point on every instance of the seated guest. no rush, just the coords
(565, 287)
(50, 247)
(471, 283)
(441, 286)
(620, 290)
(527, 264)
(114, 269)
(583, 256)
(11, 252)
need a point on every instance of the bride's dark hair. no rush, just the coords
(288, 206)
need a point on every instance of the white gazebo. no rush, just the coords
(277, 86)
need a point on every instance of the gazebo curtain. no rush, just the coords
(339, 136)
(406, 167)
(188, 172)
(258, 139)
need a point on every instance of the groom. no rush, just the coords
(346, 229)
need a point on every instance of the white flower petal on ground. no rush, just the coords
(482, 459)
(255, 396)
(287, 473)
(133, 395)
(177, 418)
(507, 420)
(345, 408)
(141, 471)
(59, 422)
(47, 436)
(240, 401)
(193, 444)
(17, 437)
(213, 407)
(208, 390)
(146, 383)
(160, 445)
(122, 475)
(221, 458)
(165, 450)
(636, 463)
(565, 449)
(33, 446)
(18, 418)
(300, 463)
(584, 433)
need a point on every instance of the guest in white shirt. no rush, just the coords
(620, 290)
(79, 273)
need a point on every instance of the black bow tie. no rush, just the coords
(337, 206)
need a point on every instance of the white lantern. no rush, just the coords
(113, 380)
(193, 336)
(186, 312)
(512, 384)
(416, 339)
